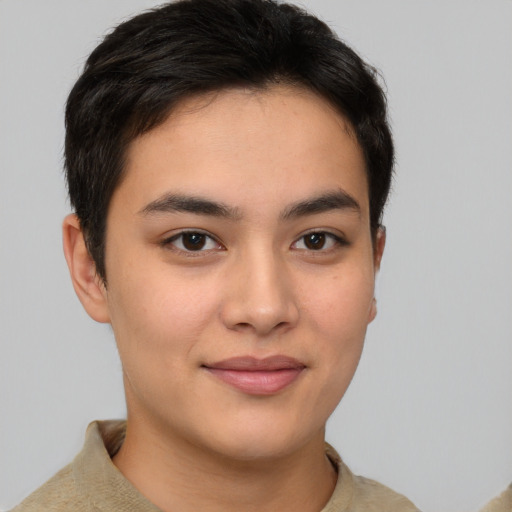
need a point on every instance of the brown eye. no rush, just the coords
(315, 241)
(319, 241)
(193, 241)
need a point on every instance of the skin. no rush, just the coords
(257, 287)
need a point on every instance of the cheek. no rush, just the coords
(159, 324)
(338, 316)
(156, 315)
(341, 306)
(338, 319)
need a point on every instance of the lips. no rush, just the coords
(257, 376)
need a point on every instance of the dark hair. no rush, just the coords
(149, 63)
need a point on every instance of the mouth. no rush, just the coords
(255, 376)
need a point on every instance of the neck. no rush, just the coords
(176, 475)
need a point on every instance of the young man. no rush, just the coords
(228, 162)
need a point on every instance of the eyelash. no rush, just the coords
(169, 242)
(338, 241)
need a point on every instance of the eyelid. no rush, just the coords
(339, 239)
(167, 242)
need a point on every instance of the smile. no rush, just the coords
(257, 376)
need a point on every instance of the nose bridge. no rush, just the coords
(261, 295)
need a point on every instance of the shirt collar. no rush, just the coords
(104, 486)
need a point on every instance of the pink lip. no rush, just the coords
(257, 376)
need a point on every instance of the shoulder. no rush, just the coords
(359, 494)
(77, 486)
(372, 496)
(502, 503)
(59, 494)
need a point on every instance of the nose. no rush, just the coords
(259, 296)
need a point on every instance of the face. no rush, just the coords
(240, 271)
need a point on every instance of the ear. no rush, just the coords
(378, 247)
(378, 250)
(88, 285)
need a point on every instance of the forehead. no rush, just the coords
(237, 142)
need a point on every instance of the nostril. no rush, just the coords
(267, 305)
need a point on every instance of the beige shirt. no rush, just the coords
(503, 503)
(92, 483)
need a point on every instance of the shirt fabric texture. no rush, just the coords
(92, 483)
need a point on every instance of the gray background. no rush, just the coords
(430, 410)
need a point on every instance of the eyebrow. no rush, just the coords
(338, 200)
(170, 203)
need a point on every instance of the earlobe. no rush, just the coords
(373, 310)
(87, 284)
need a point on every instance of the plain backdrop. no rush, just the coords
(429, 412)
